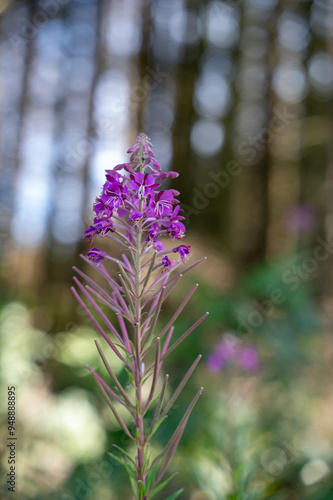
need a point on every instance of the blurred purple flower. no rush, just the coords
(248, 359)
(245, 357)
(215, 362)
(301, 218)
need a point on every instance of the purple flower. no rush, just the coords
(136, 147)
(162, 205)
(166, 262)
(96, 255)
(129, 236)
(101, 209)
(135, 197)
(141, 149)
(152, 235)
(248, 359)
(226, 351)
(158, 245)
(101, 227)
(147, 150)
(156, 165)
(90, 232)
(301, 218)
(167, 175)
(140, 215)
(112, 175)
(135, 217)
(175, 228)
(114, 194)
(214, 362)
(183, 250)
(104, 225)
(143, 183)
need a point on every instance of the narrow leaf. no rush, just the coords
(116, 240)
(111, 405)
(159, 406)
(142, 490)
(113, 376)
(179, 427)
(98, 326)
(117, 295)
(180, 386)
(167, 341)
(152, 262)
(130, 377)
(172, 285)
(126, 278)
(150, 331)
(124, 332)
(171, 453)
(128, 468)
(127, 263)
(157, 426)
(127, 455)
(160, 486)
(197, 323)
(156, 372)
(154, 302)
(151, 477)
(155, 398)
(169, 284)
(175, 495)
(179, 310)
(93, 283)
(98, 310)
(127, 292)
(109, 390)
(110, 302)
(152, 286)
(183, 271)
(151, 343)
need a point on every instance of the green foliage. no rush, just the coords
(157, 426)
(160, 487)
(175, 495)
(130, 471)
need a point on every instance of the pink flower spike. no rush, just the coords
(137, 215)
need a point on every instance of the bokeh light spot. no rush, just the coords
(207, 137)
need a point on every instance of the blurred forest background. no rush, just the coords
(236, 95)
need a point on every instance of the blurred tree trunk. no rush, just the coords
(92, 131)
(73, 161)
(249, 206)
(24, 265)
(327, 275)
(144, 62)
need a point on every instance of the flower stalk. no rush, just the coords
(135, 214)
